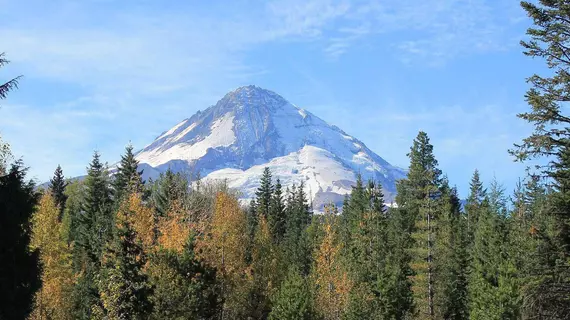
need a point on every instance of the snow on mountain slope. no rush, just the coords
(251, 128)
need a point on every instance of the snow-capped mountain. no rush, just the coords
(251, 128)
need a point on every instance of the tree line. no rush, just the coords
(113, 246)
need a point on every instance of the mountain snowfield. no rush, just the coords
(251, 128)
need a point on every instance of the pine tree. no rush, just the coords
(57, 186)
(550, 40)
(169, 187)
(128, 179)
(52, 300)
(264, 193)
(93, 228)
(11, 84)
(124, 287)
(19, 267)
(415, 198)
(476, 196)
(492, 285)
(353, 209)
(367, 246)
(451, 265)
(396, 287)
(296, 241)
(277, 219)
(293, 301)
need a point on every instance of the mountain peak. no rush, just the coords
(251, 97)
(250, 128)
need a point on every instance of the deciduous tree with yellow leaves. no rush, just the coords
(331, 279)
(224, 247)
(52, 300)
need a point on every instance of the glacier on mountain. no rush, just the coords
(251, 128)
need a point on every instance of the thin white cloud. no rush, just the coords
(137, 63)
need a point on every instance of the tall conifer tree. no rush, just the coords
(415, 198)
(277, 219)
(57, 186)
(264, 193)
(548, 97)
(93, 228)
(124, 287)
(128, 179)
(19, 267)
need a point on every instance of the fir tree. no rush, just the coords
(296, 239)
(168, 188)
(451, 265)
(367, 246)
(293, 301)
(128, 179)
(396, 287)
(550, 40)
(6, 87)
(124, 287)
(277, 219)
(476, 196)
(492, 286)
(93, 228)
(57, 186)
(19, 267)
(264, 193)
(415, 198)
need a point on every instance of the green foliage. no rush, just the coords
(423, 212)
(128, 179)
(451, 266)
(57, 186)
(93, 227)
(492, 282)
(476, 196)
(184, 287)
(547, 294)
(264, 194)
(296, 242)
(19, 268)
(123, 286)
(277, 219)
(166, 189)
(293, 301)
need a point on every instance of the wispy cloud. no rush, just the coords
(107, 61)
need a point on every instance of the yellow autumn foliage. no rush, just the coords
(140, 217)
(332, 283)
(223, 247)
(173, 229)
(52, 300)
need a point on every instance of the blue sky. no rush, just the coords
(101, 73)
